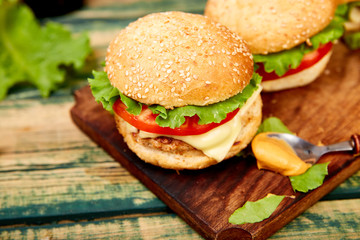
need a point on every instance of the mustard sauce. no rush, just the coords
(277, 155)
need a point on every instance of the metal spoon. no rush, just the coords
(311, 153)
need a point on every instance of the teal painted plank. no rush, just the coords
(78, 184)
(117, 15)
(350, 188)
(328, 220)
(131, 10)
(167, 226)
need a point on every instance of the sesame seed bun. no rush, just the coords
(272, 26)
(175, 154)
(176, 59)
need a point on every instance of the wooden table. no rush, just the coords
(55, 183)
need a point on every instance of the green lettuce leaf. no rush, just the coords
(257, 211)
(332, 32)
(311, 179)
(34, 54)
(273, 124)
(105, 93)
(352, 40)
(344, 9)
(281, 62)
(207, 114)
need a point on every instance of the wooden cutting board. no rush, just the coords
(326, 111)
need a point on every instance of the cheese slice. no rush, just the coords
(217, 142)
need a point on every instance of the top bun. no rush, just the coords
(176, 59)
(272, 26)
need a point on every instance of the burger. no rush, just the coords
(291, 40)
(182, 90)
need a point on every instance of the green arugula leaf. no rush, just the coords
(311, 179)
(257, 211)
(281, 62)
(34, 54)
(273, 124)
(104, 92)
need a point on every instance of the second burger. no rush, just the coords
(291, 40)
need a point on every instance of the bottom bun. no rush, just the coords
(298, 79)
(175, 154)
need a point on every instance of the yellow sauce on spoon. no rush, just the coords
(277, 155)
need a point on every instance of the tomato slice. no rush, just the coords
(146, 121)
(308, 60)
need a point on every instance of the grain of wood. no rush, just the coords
(325, 220)
(152, 227)
(328, 220)
(78, 181)
(31, 125)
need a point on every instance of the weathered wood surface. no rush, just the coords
(327, 220)
(55, 183)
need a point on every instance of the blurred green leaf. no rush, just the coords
(35, 54)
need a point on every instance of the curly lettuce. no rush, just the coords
(36, 54)
(281, 62)
(106, 94)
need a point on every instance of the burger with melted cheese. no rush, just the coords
(291, 40)
(182, 90)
